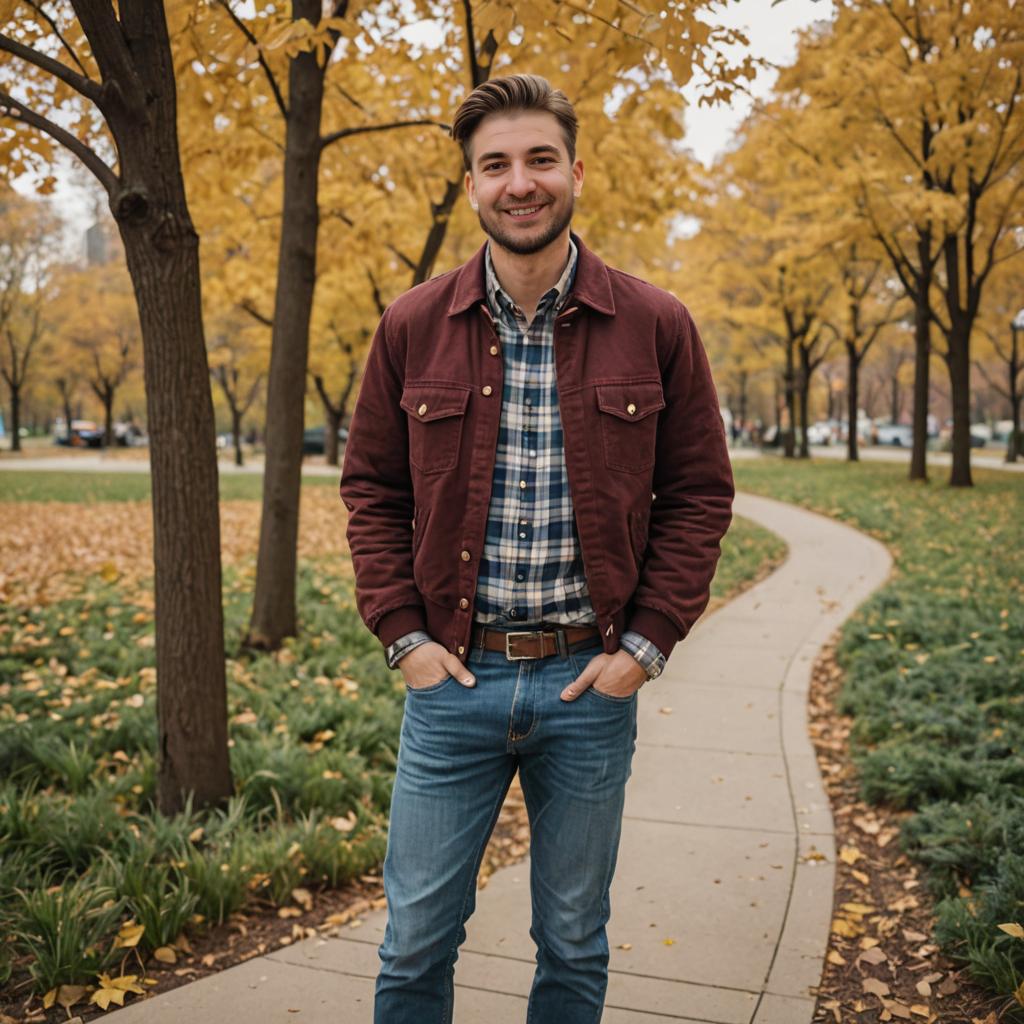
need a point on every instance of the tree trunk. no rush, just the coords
(853, 402)
(958, 362)
(273, 613)
(236, 433)
(789, 438)
(922, 356)
(108, 417)
(15, 390)
(805, 399)
(162, 251)
(331, 436)
(1013, 445)
(1013, 442)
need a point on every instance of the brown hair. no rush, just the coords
(513, 92)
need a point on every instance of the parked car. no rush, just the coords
(899, 435)
(313, 439)
(820, 433)
(84, 434)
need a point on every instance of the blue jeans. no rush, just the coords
(458, 752)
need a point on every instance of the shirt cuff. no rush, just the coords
(644, 651)
(403, 645)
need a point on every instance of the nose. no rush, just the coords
(521, 181)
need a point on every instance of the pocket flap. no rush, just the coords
(631, 401)
(428, 402)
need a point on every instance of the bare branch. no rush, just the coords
(11, 108)
(271, 80)
(80, 83)
(49, 19)
(345, 133)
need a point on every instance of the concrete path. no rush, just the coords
(723, 891)
(980, 458)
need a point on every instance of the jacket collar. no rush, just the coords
(591, 285)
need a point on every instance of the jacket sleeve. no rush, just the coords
(376, 487)
(693, 489)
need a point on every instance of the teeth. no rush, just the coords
(523, 213)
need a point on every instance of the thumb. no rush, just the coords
(583, 680)
(457, 669)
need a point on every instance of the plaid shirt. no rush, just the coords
(531, 570)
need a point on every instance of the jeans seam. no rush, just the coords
(449, 983)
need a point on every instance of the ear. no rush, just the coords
(577, 178)
(470, 191)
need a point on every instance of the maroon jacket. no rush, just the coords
(645, 454)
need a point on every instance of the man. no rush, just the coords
(537, 482)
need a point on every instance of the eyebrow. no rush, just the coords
(530, 152)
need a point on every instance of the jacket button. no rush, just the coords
(486, 389)
(462, 650)
(463, 603)
(631, 408)
(465, 556)
(422, 409)
(494, 350)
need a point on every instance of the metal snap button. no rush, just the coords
(462, 650)
(486, 389)
(631, 408)
(422, 409)
(494, 350)
(463, 603)
(465, 556)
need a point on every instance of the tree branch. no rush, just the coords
(345, 133)
(80, 83)
(18, 112)
(271, 80)
(49, 19)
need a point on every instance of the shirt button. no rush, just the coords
(533, 455)
(486, 389)
(465, 556)
(523, 535)
(463, 603)
(462, 650)
(494, 350)
(520, 576)
(522, 483)
(528, 401)
(422, 409)
(512, 612)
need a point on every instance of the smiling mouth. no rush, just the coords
(524, 211)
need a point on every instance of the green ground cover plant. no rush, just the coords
(934, 665)
(90, 872)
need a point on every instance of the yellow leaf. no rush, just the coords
(109, 572)
(129, 935)
(165, 955)
(1013, 929)
(850, 855)
(835, 958)
(669, 942)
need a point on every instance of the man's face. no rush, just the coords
(521, 181)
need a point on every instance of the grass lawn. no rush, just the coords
(90, 873)
(84, 486)
(934, 667)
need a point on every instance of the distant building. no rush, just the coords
(102, 240)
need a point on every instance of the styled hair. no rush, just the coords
(513, 93)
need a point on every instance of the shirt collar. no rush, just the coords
(500, 301)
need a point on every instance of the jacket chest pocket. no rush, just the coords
(436, 414)
(629, 428)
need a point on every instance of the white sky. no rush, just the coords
(772, 34)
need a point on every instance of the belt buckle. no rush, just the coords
(518, 657)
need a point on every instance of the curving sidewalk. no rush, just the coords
(723, 891)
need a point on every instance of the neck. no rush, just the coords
(526, 278)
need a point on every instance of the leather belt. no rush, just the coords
(534, 643)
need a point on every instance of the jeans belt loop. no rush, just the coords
(563, 644)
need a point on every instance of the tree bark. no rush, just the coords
(805, 394)
(959, 364)
(789, 385)
(853, 402)
(273, 613)
(162, 250)
(15, 390)
(236, 434)
(922, 359)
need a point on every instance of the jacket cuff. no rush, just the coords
(400, 621)
(656, 627)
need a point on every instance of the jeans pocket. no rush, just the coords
(432, 688)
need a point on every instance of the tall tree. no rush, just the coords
(109, 71)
